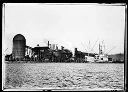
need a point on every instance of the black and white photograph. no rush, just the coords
(63, 46)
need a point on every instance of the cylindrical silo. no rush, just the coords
(19, 43)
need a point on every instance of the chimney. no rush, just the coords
(48, 43)
(37, 45)
(50, 46)
(62, 48)
(75, 49)
(75, 54)
(56, 47)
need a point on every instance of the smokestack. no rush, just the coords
(37, 45)
(75, 49)
(53, 46)
(56, 47)
(75, 54)
(48, 43)
(62, 48)
(50, 46)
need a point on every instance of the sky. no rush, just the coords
(80, 26)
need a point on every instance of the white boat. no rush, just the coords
(89, 59)
(101, 58)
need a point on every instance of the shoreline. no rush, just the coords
(8, 62)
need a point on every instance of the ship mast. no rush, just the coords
(101, 48)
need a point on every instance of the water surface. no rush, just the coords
(65, 75)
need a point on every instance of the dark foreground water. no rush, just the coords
(65, 76)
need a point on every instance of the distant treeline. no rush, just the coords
(117, 57)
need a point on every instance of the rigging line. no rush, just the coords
(89, 46)
(6, 49)
(83, 46)
(111, 49)
(94, 45)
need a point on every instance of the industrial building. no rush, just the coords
(40, 52)
(51, 53)
(19, 44)
(22, 52)
(28, 52)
